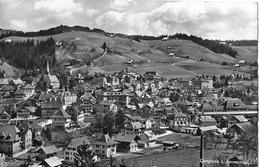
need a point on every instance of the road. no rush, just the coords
(75, 69)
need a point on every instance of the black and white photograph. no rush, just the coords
(129, 83)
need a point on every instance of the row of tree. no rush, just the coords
(50, 31)
(29, 54)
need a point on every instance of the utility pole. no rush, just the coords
(201, 149)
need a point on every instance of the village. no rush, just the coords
(116, 119)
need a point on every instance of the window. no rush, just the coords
(67, 158)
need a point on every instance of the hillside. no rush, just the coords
(149, 55)
(248, 53)
(9, 70)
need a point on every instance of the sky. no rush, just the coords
(224, 20)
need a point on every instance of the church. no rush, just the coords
(52, 81)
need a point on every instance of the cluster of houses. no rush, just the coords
(148, 102)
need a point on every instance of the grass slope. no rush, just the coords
(248, 53)
(153, 54)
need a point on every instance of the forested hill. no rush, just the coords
(28, 54)
(51, 31)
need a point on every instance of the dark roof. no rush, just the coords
(105, 139)
(79, 141)
(61, 113)
(52, 104)
(121, 137)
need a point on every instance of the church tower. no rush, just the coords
(48, 68)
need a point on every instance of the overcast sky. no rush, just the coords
(212, 19)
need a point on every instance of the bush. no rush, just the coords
(224, 63)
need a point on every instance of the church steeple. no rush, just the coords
(48, 67)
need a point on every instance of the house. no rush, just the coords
(48, 108)
(69, 98)
(71, 148)
(26, 135)
(6, 88)
(23, 113)
(236, 119)
(234, 104)
(10, 140)
(207, 84)
(60, 120)
(207, 121)
(19, 94)
(105, 146)
(87, 102)
(109, 106)
(29, 90)
(77, 115)
(51, 162)
(4, 81)
(127, 142)
(120, 96)
(4, 117)
(48, 151)
(239, 128)
(148, 139)
(180, 119)
(46, 96)
(135, 127)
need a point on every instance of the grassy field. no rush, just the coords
(248, 53)
(185, 157)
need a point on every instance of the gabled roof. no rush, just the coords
(179, 115)
(28, 86)
(46, 96)
(105, 139)
(207, 106)
(53, 78)
(137, 125)
(49, 149)
(53, 161)
(5, 113)
(244, 126)
(7, 88)
(121, 137)
(79, 141)
(207, 119)
(61, 114)
(240, 118)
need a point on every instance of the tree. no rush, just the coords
(104, 46)
(174, 97)
(84, 156)
(248, 142)
(108, 123)
(136, 38)
(120, 120)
